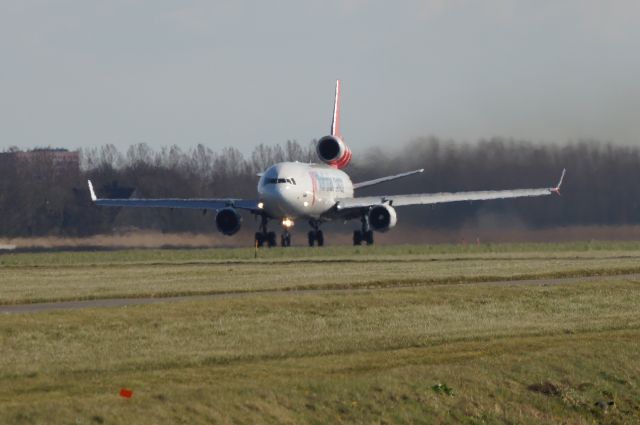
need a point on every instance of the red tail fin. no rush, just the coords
(331, 149)
(335, 124)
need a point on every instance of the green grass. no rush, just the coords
(510, 353)
(65, 276)
(365, 253)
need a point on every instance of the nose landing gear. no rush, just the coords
(285, 238)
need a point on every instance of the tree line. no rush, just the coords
(602, 186)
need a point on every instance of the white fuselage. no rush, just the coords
(297, 190)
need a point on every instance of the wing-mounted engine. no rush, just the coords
(333, 151)
(228, 221)
(382, 218)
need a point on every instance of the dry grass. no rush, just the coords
(276, 326)
(511, 353)
(360, 357)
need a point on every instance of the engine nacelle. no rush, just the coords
(333, 151)
(228, 221)
(382, 218)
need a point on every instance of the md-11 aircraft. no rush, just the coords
(318, 193)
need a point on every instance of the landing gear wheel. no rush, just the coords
(320, 238)
(315, 235)
(312, 238)
(259, 239)
(368, 237)
(285, 240)
(263, 236)
(364, 235)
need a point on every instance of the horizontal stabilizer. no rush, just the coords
(386, 179)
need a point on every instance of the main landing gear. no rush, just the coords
(364, 235)
(263, 236)
(315, 235)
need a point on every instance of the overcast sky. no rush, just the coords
(78, 73)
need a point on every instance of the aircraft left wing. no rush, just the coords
(195, 203)
(439, 198)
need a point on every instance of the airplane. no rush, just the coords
(318, 193)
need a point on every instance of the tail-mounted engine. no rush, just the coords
(333, 151)
(382, 218)
(228, 221)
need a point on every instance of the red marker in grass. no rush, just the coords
(126, 393)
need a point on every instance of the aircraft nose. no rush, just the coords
(279, 197)
(271, 193)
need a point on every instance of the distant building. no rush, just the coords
(59, 161)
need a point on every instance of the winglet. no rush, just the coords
(335, 123)
(557, 188)
(94, 198)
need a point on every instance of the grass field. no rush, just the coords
(405, 334)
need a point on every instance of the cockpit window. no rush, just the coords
(279, 180)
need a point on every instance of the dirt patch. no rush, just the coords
(546, 388)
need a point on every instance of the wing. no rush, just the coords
(439, 198)
(385, 179)
(202, 204)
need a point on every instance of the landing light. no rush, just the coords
(287, 222)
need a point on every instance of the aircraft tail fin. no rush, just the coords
(335, 123)
(94, 198)
(556, 189)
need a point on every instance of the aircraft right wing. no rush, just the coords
(194, 203)
(439, 198)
